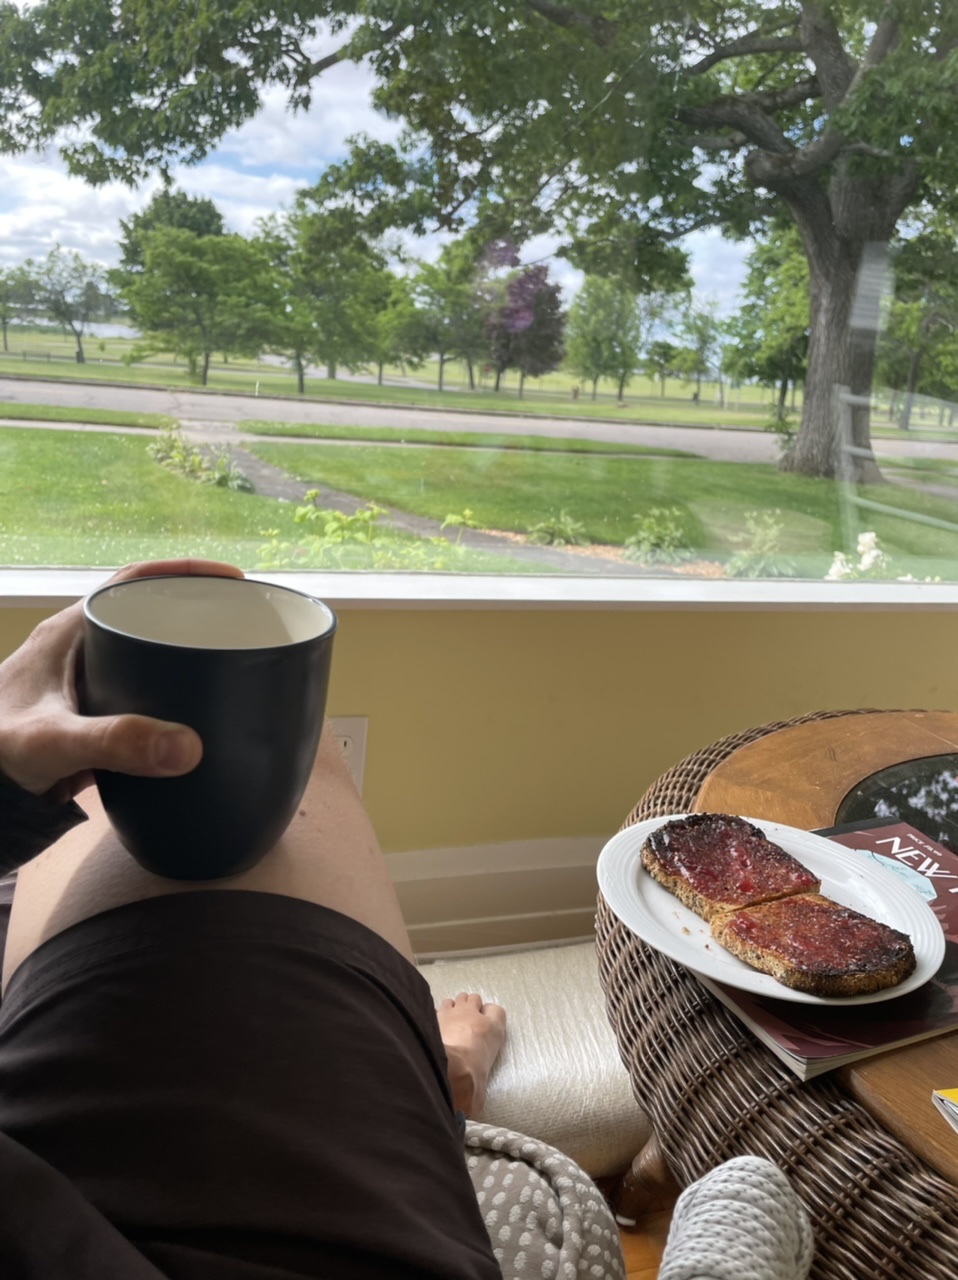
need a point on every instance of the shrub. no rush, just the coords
(659, 538)
(559, 531)
(761, 554)
(170, 450)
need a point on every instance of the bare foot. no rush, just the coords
(472, 1034)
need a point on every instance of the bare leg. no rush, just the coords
(472, 1035)
(328, 855)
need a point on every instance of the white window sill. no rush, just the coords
(55, 588)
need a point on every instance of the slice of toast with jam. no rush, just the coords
(813, 944)
(765, 908)
(714, 863)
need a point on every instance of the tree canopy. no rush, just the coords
(622, 127)
(167, 208)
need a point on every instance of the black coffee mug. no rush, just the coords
(245, 664)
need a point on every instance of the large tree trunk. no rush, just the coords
(837, 223)
(331, 367)
(522, 382)
(472, 376)
(442, 368)
(300, 375)
(379, 377)
(622, 378)
(498, 378)
(782, 396)
(204, 376)
(595, 383)
(78, 335)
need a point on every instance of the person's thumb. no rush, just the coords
(127, 744)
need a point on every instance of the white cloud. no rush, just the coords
(306, 141)
(717, 266)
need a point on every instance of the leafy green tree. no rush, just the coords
(71, 291)
(609, 326)
(621, 126)
(337, 266)
(768, 338)
(18, 297)
(200, 294)
(292, 324)
(921, 338)
(398, 330)
(453, 298)
(660, 361)
(701, 356)
(167, 208)
(591, 322)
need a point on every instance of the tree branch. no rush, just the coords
(720, 141)
(729, 112)
(788, 96)
(602, 31)
(309, 70)
(754, 42)
(823, 44)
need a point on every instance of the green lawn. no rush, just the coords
(101, 417)
(462, 439)
(75, 498)
(511, 490)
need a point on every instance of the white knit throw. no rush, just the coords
(742, 1221)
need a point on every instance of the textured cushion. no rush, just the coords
(544, 1216)
(559, 1077)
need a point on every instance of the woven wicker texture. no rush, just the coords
(713, 1092)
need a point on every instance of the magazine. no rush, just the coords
(811, 1039)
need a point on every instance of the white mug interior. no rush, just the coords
(209, 613)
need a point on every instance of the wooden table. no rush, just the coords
(799, 776)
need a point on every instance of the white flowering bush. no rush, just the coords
(872, 562)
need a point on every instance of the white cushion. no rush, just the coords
(559, 1077)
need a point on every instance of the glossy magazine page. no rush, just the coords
(814, 1038)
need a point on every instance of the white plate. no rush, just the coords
(660, 919)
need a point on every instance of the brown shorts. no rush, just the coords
(246, 1085)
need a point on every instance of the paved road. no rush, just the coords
(212, 414)
(198, 410)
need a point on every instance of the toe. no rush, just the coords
(448, 1003)
(495, 1013)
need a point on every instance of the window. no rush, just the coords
(572, 294)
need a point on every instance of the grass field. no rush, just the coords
(74, 498)
(461, 439)
(511, 490)
(81, 498)
(99, 417)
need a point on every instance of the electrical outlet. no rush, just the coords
(350, 733)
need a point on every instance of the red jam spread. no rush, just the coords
(727, 860)
(815, 935)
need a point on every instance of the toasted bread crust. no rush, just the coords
(812, 944)
(763, 873)
(707, 908)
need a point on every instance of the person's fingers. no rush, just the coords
(180, 567)
(123, 744)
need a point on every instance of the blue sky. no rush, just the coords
(254, 171)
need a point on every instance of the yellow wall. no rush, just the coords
(509, 724)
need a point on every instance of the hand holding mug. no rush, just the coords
(47, 746)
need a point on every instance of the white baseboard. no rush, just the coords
(497, 897)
